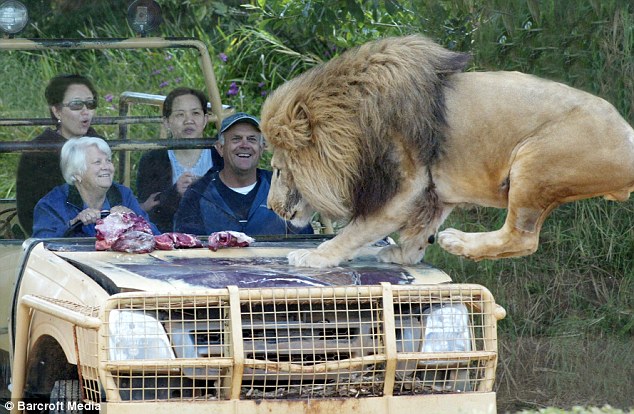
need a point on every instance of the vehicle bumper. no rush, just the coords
(438, 403)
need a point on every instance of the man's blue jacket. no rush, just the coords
(203, 211)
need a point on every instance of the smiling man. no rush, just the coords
(234, 198)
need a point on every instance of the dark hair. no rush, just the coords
(57, 86)
(175, 93)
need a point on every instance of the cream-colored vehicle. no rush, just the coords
(236, 330)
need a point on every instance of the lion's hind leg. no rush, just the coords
(545, 173)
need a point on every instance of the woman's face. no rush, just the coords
(187, 119)
(74, 122)
(99, 171)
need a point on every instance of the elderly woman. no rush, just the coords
(72, 100)
(72, 209)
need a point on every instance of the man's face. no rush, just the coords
(242, 148)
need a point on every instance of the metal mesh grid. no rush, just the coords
(295, 343)
(446, 339)
(194, 362)
(88, 363)
(312, 343)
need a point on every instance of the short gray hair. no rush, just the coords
(73, 157)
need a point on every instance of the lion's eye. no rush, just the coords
(277, 173)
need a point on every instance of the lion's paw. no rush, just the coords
(311, 258)
(398, 254)
(452, 240)
(391, 254)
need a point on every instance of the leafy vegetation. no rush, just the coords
(569, 333)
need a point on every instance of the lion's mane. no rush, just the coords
(346, 125)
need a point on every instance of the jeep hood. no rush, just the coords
(250, 267)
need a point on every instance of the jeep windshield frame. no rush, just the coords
(218, 111)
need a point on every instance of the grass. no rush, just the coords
(568, 335)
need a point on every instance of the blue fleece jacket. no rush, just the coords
(203, 211)
(56, 209)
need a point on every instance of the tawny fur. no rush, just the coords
(353, 97)
(392, 136)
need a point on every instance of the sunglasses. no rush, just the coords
(78, 104)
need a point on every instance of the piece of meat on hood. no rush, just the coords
(175, 240)
(228, 238)
(134, 241)
(114, 226)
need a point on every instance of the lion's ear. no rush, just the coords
(296, 132)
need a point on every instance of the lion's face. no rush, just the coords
(284, 197)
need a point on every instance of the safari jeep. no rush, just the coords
(230, 331)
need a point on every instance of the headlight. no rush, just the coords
(144, 16)
(446, 329)
(135, 335)
(13, 16)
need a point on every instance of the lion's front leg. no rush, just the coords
(314, 258)
(345, 245)
(414, 239)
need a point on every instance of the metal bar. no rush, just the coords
(98, 120)
(389, 335)
(334, 292)
(61, 312)
(115, 145)
(237, 345)
(97, 43)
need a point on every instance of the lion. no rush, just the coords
(393, 135)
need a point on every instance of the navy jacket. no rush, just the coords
(203, 211)
(38, 173)
(62, 204)
(155, 175)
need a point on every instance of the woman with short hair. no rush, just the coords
(72, 209)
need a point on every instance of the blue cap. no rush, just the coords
(237, 118)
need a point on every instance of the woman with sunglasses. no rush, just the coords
(72, 100)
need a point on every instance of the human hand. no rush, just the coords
(87, 216)
(151, 202)
(184, 181)
(120, 209)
